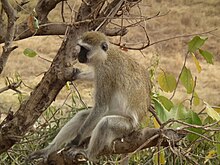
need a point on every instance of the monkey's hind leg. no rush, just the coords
(66, 134)
(108, 129)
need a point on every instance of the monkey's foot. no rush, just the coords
(37, 155)
(77, 154)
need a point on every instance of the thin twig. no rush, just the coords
(205, 127)
(202, 136)
(151, 109)
(62, 11)
(193, 94)
(79, 95)
(178, 79)
(44, 59)
(183, 36)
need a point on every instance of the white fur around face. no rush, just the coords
(95, 55)
(80, 43)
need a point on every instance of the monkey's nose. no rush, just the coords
(82, 55)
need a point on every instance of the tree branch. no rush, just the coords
(12, 86)
(7, 48)
(44, 7)
(23, 31)
(145, 138)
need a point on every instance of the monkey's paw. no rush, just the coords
(77, 154)
(76, 72)
(37, 155)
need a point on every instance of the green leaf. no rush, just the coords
(196, 99)
(187, 80)
(216, 108)
(179, 112)
(218, 145)
(198, 66)
(212, 113)
(166, 102)
(29, 52)
(196, 43)
(208, 120)
(167, 81)
(207, 55)
(161, 111)
(194, 119)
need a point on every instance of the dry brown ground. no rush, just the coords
(185, 17)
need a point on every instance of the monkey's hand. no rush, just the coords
(76, 72)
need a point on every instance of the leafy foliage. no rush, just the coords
(180, 113)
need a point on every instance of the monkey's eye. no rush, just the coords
(104, 46)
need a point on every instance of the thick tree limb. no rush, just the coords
(146, 138)
(44, 7)
(23, 30)
(56, 29)
(7, 48)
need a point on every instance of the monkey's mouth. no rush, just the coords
(82, 56)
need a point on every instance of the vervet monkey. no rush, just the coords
(121, 99)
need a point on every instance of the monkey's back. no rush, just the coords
(128, 83)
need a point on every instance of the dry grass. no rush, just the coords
(185, 17)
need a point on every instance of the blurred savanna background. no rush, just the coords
(178, 22)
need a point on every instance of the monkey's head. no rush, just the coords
(93, 48)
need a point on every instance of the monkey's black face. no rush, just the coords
(82, 56)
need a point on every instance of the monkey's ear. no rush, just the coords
(104, 46)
